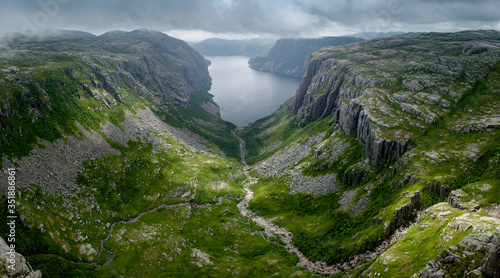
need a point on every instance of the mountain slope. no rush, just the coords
(112, 71)
(389, 91)
(47, 34)
(375, 35)
(377, 131)
(387, 158)
(289, 56)
(123, 165)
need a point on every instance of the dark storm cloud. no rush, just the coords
(274, 17)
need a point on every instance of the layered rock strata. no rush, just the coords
(385, 92)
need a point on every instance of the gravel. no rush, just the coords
(55, 166)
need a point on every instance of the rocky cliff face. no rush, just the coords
(94, 79)
(103, 131)
(289, 56)
(20, 267)
(385, 93)
(156, 65)
(170, 69)
(474, 256)
(423, 110)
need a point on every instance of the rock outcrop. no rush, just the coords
(20, 267)
(385, 94)
(491, 263)
(149, 63)
(407, 210)
(474, 256)
(455, 201)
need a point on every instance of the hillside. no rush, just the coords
(378, 131)
(251, 48)
(375, 35)
(46, 34)
(386, 162)
(289, 56)
(123, 165)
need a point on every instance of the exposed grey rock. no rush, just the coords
(408, 209)
(431, 271)
(346, 199)
(381, 98)
(360, 206)
(271, 147)
(212, 108)
(21, 267)
(289, 156)
(281, 162)
(444, 191)
(491, 263)
(200, 258)
(319, 185)
(455, 201)
(183, 193)
(329, 151)
(357, 173)
(58, 164)
(468, 250)
(145, 125)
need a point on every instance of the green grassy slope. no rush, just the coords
(153, 184)
(457, 151)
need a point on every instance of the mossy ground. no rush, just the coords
(435, 231)
(455, 151)
(161, 243)
(65, 229)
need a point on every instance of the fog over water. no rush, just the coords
(245, 95)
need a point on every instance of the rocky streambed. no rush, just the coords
(272, 230)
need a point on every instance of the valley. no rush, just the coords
(385, 162)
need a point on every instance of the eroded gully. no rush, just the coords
(272, 230)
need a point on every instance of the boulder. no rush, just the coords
(21, 268)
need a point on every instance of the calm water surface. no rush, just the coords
(245, 95)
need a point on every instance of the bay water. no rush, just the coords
(245, 95)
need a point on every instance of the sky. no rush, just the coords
(195, 20)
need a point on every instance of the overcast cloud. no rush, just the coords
(199, 19)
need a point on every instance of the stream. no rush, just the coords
(272, 230)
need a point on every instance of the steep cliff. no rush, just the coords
(377, 132)
(124, 168)
(106, 134)
(98, 78)
(169, 68)
(389, 91)
(289, 56)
